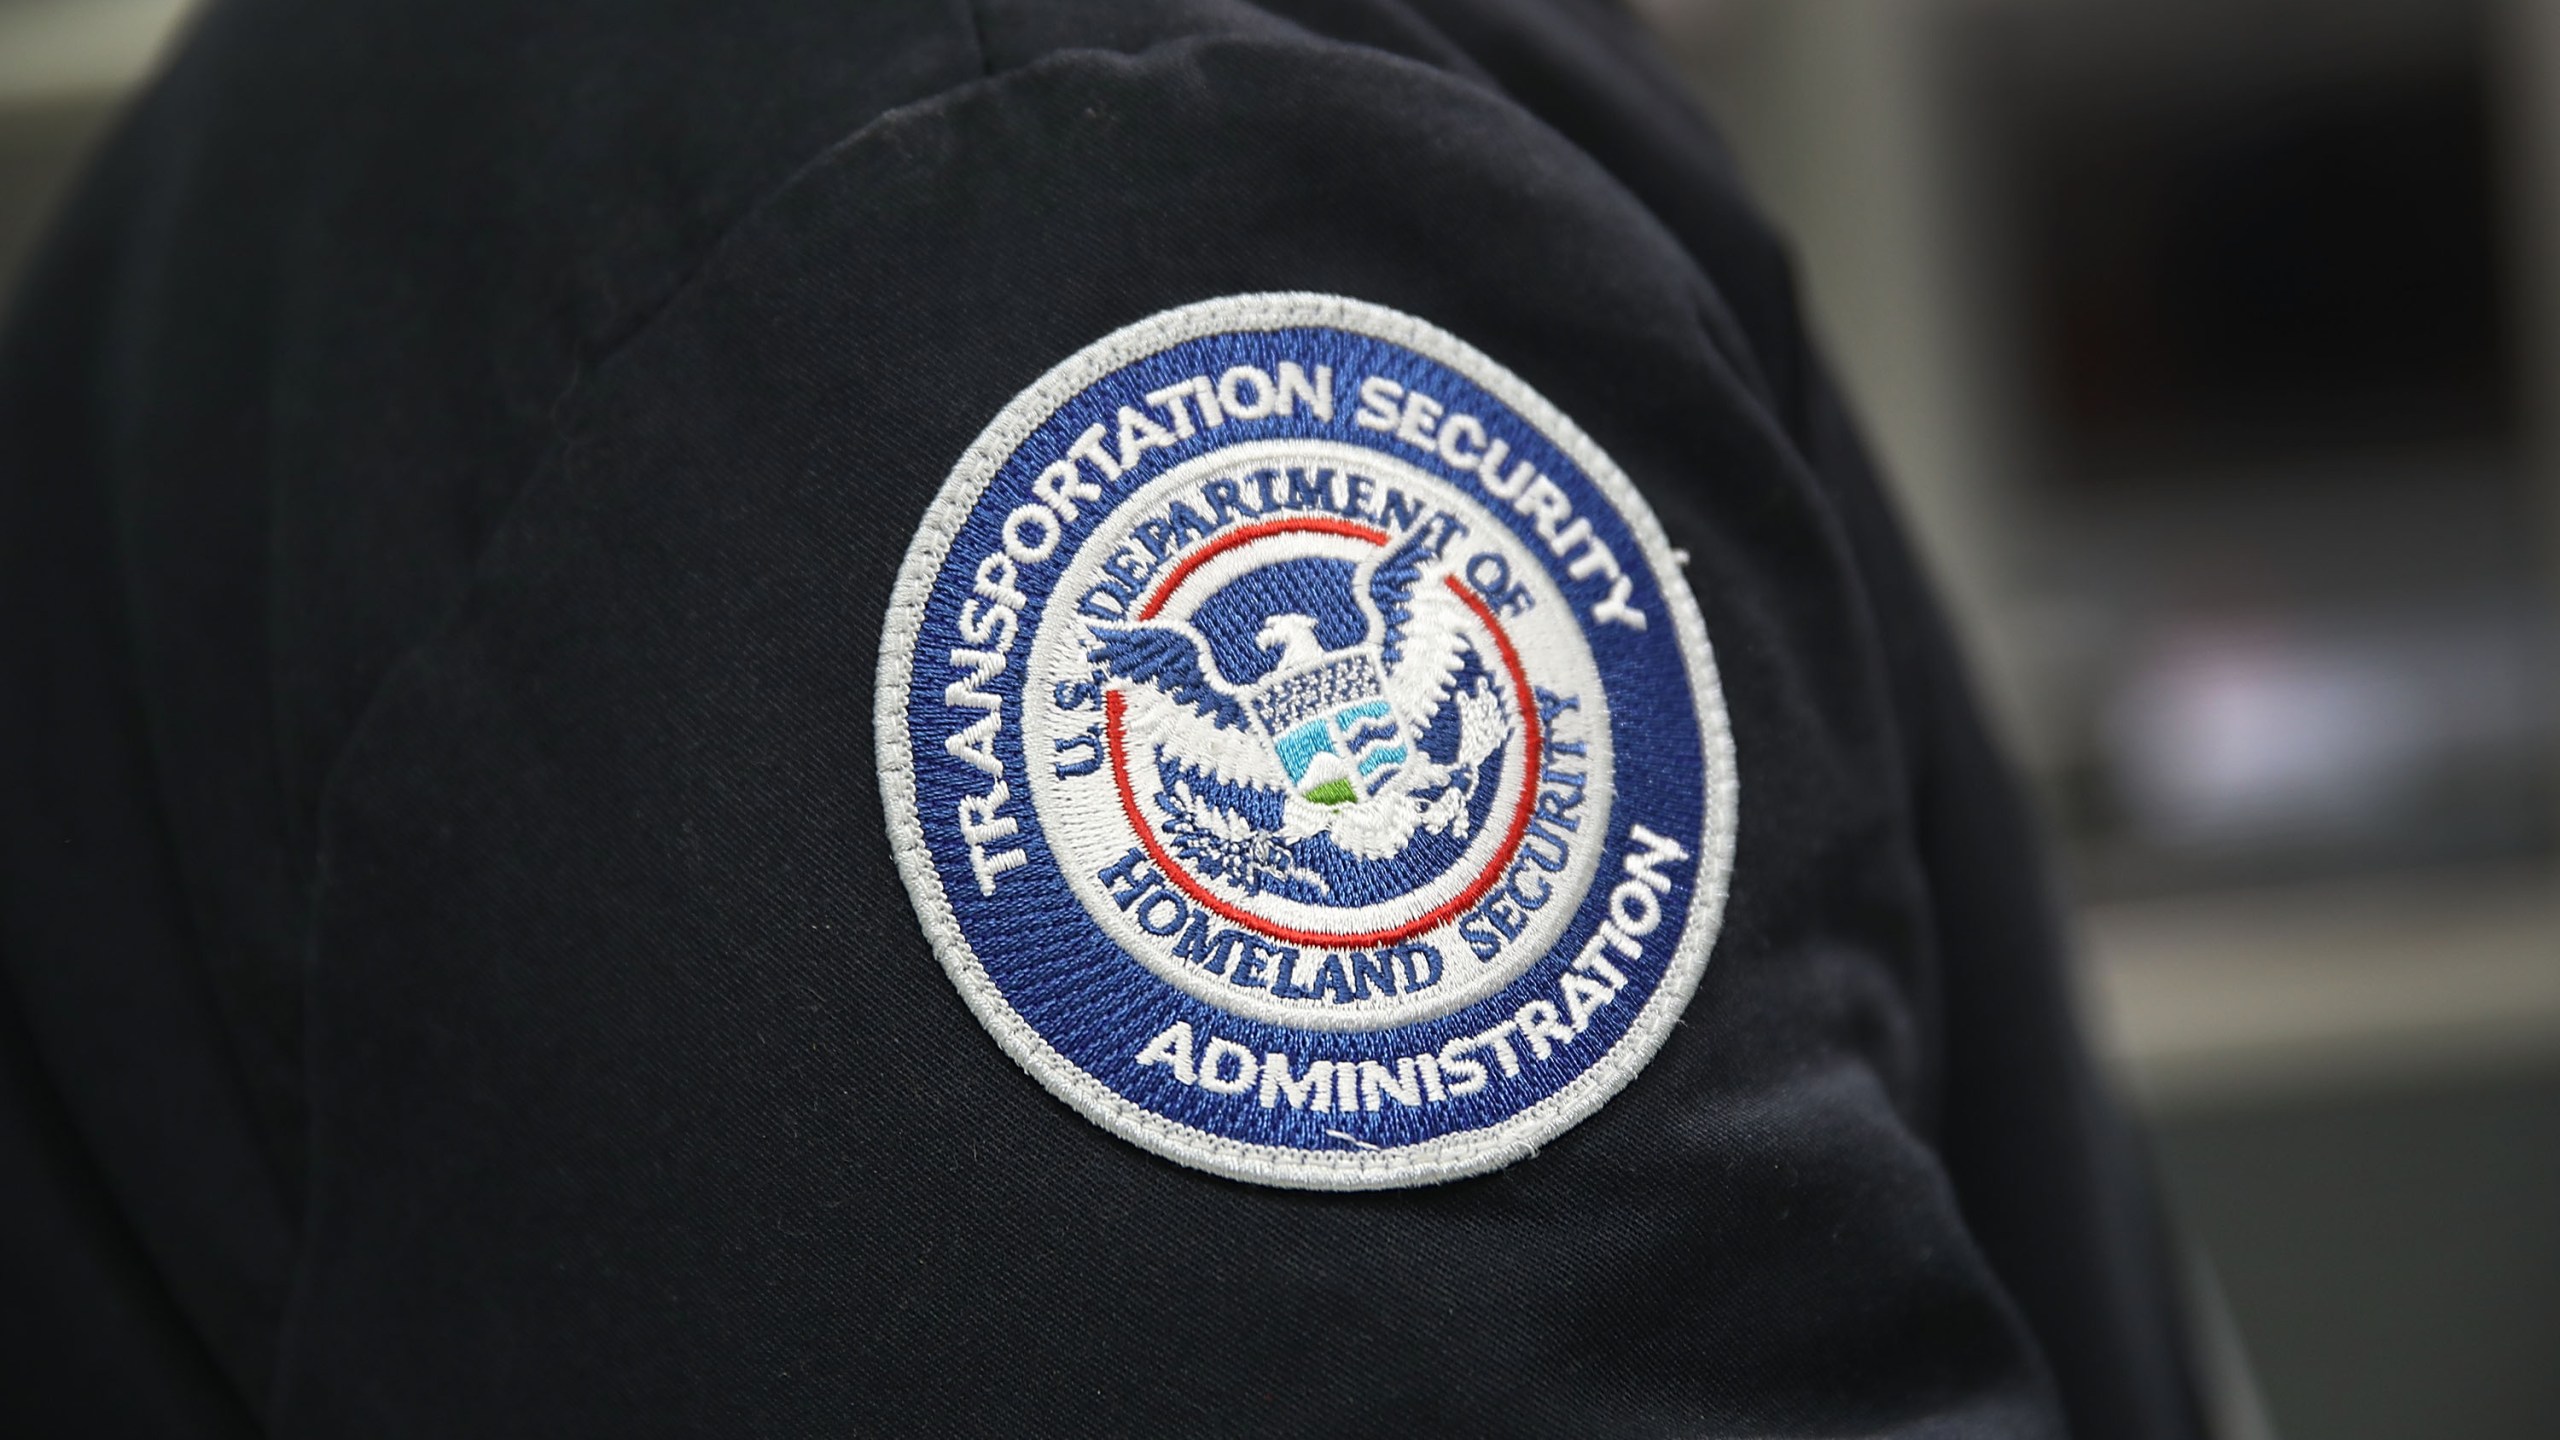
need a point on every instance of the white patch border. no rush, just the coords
(1446, 1157)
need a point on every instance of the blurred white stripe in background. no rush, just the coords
(61, 50)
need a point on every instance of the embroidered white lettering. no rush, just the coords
(1232, 387)
(996, 577)
(1539, 1025)
(1060, 487)
(1089, 448)
(1421, 412)
(1171, 400)
(1461, 442)
(1294, 386)
(1466, 1075)
(1657, 851)
(1614, 610)
(1400, 1084)
(1378, 397)
(1216, 1075)
(1461, 454)
(1137, 434)
(1212, 414)
(1159, 695)
(1314, 1089)
(1026, 520)
(1582, 995)
(1589, 985)
(1172, 1047)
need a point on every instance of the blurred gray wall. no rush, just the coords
(65, 65)
(2342, 1020)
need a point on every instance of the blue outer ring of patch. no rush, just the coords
(1094, 1006)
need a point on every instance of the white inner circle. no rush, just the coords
(1084, 816)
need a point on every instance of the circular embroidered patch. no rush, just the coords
(1303, 749)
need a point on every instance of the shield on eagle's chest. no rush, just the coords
(1338, 737)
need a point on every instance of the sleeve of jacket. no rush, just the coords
(640, 1100)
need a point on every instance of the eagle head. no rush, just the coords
(1294, 636)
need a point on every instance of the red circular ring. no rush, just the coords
(1115, 708)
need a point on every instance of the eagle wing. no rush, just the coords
(1174, 704)
(1433, 645)
(1394, 579)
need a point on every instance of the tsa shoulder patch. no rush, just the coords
(1303, 749)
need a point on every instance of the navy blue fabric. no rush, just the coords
(453, 462)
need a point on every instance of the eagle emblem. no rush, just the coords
(1339, 734)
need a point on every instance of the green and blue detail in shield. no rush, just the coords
(1370, 746)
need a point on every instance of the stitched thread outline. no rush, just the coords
(1445, 1157)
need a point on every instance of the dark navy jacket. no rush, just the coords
(454, 457)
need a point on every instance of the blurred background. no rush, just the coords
(2214, 347)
